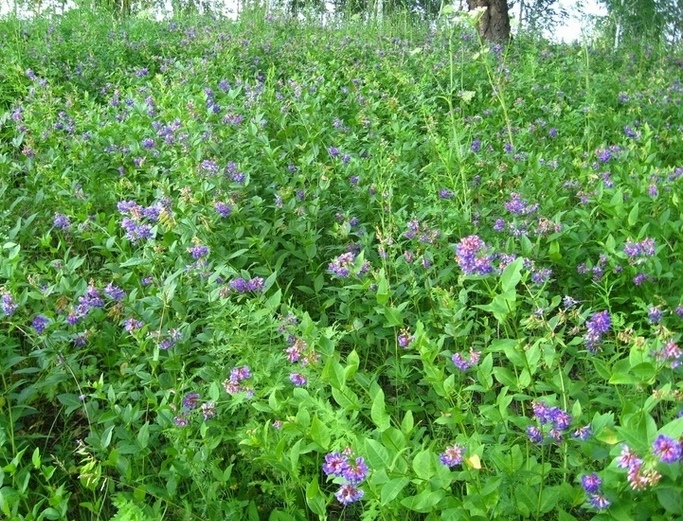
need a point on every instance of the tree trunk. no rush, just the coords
(494, 24)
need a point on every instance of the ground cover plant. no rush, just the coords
(268, 270)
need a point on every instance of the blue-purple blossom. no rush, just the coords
(356, 471)
(191, 401)
(131, 325)
(583, 433)
(591, 483)
(596, 327)
(298, 379)
(463, 363)
(223, 209)
(335, 464)
(654, 314)
(534, 434)
(517, 206)
(61, 221)
(349, 493)
(40, 323)
(599, 502)
(114, 292)
(346, 265)
(198, 251)
(472, 256)
(8, 304)
(242, 285)
(453, 455)
(667, 449)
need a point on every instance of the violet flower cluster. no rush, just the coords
(669, 354)
(352, 472)
(452, 456)
(639, 475)
(518, 206)
(638, 251)
(242, 285)
(557, 420)
(234, 385)
(591, 484)
(465, 362)
(596, 327)
(137, 219)
(473, 257)
(8, 304)
(348, 265)
(86, 303)
(190, 403)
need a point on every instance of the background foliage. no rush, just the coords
(234, 253)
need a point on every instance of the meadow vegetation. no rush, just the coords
(268, 270)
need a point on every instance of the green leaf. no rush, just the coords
(671, 499)
(425, 501)
(407, 423)
(143, 435)
(320, 433)
(511, 275)
(423, 465)
(392, 489)
(378, 411)
(378, 456)
(315, 499)
(633, 215)
(382, 294)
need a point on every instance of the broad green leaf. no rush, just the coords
(392, 489)
(378, 411)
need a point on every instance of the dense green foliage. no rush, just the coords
(231, 251)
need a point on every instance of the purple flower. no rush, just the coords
(596, 326)
(148, 143)
(583, 433)
(61, 221)
(499, 225)
(667, 449)
(181, 421)
(114, 292)
(472, 257)
(591, 483)
(356, 472)
(476, 146)
(446, 194)
(131, 325)
(345, 265)
(242, 285)
(464, 363)
(298, 379)
(534, 434)
(452, 456)
(198, 251)
(210, 167)
(599, 502)
(348, 494)
(640, 279)
(191, 401)
(541, 276)
(628, 459)
(208, 410)
(404, 339)
(40, 323)
(652, 190)
(224, 210)
(333, 151)
(335, 464)
(654, 313)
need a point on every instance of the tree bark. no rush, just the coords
(494, 24)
